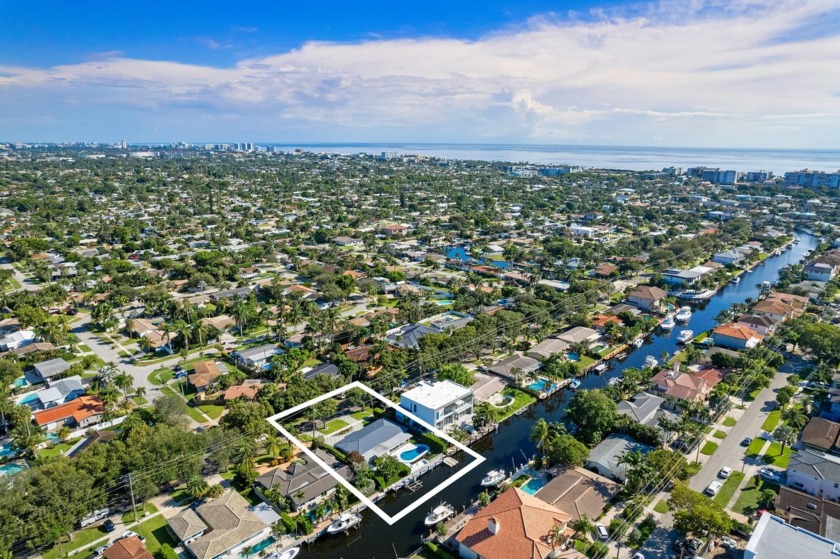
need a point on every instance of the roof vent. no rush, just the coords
(494, 526)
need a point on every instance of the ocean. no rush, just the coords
(604, 157)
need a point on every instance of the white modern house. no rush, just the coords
(440, 403)
(815, 473)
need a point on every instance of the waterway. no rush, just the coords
(377, 540)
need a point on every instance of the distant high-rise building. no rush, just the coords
(713, 175)
(813, 178)
(124, 144)
(758, 176)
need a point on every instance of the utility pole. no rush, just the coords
(131, 489)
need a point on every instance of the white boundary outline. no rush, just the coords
(477, 458)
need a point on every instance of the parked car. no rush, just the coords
(108, 526)
(728, 543)
(770, 475)
(725, 472)
(746, 441)
(180, 374)
(694, 544)
(602, 532)
(129, 533)
(713, 488)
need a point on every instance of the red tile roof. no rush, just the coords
(79, 409)
(128, 548)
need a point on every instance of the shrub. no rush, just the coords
(597, 550)
(435, 444)
(618, 527)
(166, 552)
(288, 523)
(304, 525)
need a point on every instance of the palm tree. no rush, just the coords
(582, 526)
(183, 329)
(540, 434)
(786, 435)
(197, 487)
(556, 535)
(795, 417)
(124, 382)
(272, 446)
(140, 392)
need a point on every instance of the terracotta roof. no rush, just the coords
(128, 548)
(523, 523)
(649, 293)
(204, 373)
(711, 375)
(247, 390)
(79, 409)
(737, 331)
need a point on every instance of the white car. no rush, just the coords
(724, 472)
(728, 543)
(129, 533)
(713, 488)
(637, 555)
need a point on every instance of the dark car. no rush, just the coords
(694, 544)
(746, 442)
(108, 526)
(678, 544)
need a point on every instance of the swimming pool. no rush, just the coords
(572, 356)
(6, 449)
(262, 545)
(20, 382)
(11, 469)
(413, 454)
(29, 399)
(533, 485)
(541, 385)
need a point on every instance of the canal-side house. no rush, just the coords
(581, 335)
(440, 404)
(547, 348)
(507, 367)
(604, 458)
(516, 524)
(219, 527)
(377, 438)
(578, 492)
(736, 336)
(304, 483)
(649, 298)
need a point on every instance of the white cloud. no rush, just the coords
(683, 73)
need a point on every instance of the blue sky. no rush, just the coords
(702, 73)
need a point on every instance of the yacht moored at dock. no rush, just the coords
(683, 315)
(439, 514)
(685, 336)
(493, 478)
(344, 522)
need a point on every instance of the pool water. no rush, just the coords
(11, 469)
(541, 385)
(413, 454)
(262, 545)
(573, 356)
(533, 485)
(6, 450)
(20, 382)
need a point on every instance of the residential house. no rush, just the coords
(774, 308)
(79, 413)
(326, 369)
(485, 387)
(736, 336)
(580, 335)
(811, 513)
(773, 538)
(127, 548)
(815, 473)
(647, 298)
(204, 374)
(220, 527)
(604, 458)
(394, 230)
(304, 483)
(601, 321)
(677, 386)
(256, 357)
(440, 403)
(728, 257)
(605, 270)
(221, 323)
(547, 348)
(58, 392)
(685, 277)
(506, 367)
(820, 271)
(17, 339)
(408, 336)
(375, 439)
(516, 524)
(246, 391)
(579, 493)
(821, 435)
(237, 293)
(762, 324)
(46, 370)
(644, 408)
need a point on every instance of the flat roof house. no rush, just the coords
(815, 473)
(376, 439)
(440, 403)
(773, 538)
(219, 527)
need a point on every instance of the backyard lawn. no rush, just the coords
(58, 449)
(333, 426)
(709, 448)
(747, 502)
(729, 487)
(772, 420)
(212, 411)
(520, 400)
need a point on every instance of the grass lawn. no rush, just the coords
(128, 517)
(585, 362)
(191, 411)
(161, 376)
(772, 420)
(228, 474)
(212, 411)
(709, 448)
(729, 487)
(747, 502)
(181, 497)
(520, 400)
(84, 348)
(661, 507)
(156, 533)
(753, 394)
(140, 400)
(362, 414)
(57, 450)
(775, 456)
(719, 435)
(82, 538)
(729, 422)
(755, 447)
(311, 362)
(333, 426)
(123, 353)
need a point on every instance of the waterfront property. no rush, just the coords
(219, 527)
(578, 492)
(375, 439)
(604, 458)
(440, 403)
(304, 483)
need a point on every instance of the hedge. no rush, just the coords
(436, 444)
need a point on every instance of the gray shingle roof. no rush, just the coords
(375, 439)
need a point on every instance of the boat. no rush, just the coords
(439, 514)
(600, 368)
(638, 342)
(495, 477)
(685, 336)
(650, 361)
(684, 314)
(290, 553)
(736, 280)
(766, 285)
(667, 324)
(344, 522)
(613, 381)
(574, 384)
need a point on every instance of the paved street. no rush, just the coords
(25, 283)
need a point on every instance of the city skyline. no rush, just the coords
(634, 74)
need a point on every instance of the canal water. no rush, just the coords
(375, 539)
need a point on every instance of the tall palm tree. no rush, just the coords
(124, 382)
(583, 525)
(540, 434)
(183, 329)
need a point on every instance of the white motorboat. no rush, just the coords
(668, 323)
(638, 342)
(613, 381)
(650, 361)
(290, 553)
(685, 336)
(736, 280)
(495, 477)
(766, 285)
(344, 522)
(600, 368)
(574, 384)
(439, 514)
(683, 314)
